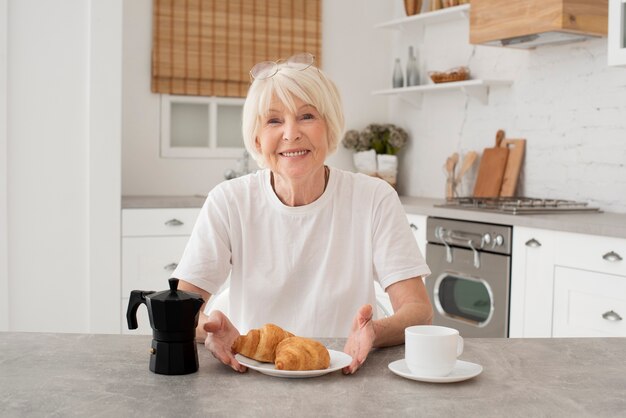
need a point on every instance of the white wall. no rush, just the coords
(63, 182)
(565, 100)
(352, 52)
(4, 271)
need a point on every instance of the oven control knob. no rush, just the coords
(499, 240)
(487, 239)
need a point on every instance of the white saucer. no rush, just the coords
(463, 370)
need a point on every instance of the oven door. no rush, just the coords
(474, 300)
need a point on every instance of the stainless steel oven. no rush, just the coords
(471, 274)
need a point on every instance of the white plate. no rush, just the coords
(338, 360)
(463, 370)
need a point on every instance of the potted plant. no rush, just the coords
(375, 149)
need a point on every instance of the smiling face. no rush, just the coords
(293, 145)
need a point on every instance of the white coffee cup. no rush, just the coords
(431, 350)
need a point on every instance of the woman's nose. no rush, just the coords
(292, 131)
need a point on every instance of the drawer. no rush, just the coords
(148, 262)
(591, 252)
(158, 222)
(588, 304)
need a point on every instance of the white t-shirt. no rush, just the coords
(309, 268)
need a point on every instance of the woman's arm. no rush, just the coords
(201, 334)
(411, 306)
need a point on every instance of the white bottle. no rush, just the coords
(412, 74)
(398, 78)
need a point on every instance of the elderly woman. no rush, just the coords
(303, 242)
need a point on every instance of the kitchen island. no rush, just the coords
(107, 375)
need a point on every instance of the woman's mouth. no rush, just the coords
(294, 153)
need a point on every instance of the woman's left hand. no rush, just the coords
(361, 339)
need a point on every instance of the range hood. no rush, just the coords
(530, 23)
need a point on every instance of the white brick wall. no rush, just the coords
(565, 100)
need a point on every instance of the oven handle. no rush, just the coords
(451, 237)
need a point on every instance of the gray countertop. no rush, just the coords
(603, 223)
(107, 375)
(606, 224)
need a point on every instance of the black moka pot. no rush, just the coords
(173, 318)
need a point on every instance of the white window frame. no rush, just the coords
(211, 150)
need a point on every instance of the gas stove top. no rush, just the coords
(517, 205)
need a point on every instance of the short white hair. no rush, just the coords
(309, 85)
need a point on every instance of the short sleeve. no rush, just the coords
(206, 261)
(396, 255)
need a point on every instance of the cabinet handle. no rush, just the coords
(174, 222)
(413, 227)
(611, 316)
(612, 256)
(533, 243)
(170, 266)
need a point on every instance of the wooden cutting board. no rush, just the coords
(491, 169)
(516, 149)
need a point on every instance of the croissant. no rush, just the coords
(298, 353)
(260, 344)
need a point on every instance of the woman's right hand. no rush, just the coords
(221, 334)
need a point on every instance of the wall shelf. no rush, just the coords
(478, 89)
(427, 18)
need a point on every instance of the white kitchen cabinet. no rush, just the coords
(153, 241)
(617, 33)
(565, 284)
(531, 283)
(418, 226)
(588, 303)
(589, 286)
(591, 252)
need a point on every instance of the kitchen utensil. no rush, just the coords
(491, 169)
(513, 165)
(173, 317)
(468, 162)
(451, 162)
(412, 7)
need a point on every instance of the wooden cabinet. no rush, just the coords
(153, 241)
(617, 33)
(523, 23)
(531, 283)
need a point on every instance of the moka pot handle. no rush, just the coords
(137, 297)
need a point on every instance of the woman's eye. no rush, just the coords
(308, 116)
(273, 121)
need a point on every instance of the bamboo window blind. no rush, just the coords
(207, 47)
